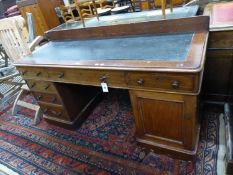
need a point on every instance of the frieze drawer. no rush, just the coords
(87, 77)
(153, 81)
(30, 72)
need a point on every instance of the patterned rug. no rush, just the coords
(103, 145)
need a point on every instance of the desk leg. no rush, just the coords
(166, 123)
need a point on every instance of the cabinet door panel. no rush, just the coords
(165, 119)
(162, 119)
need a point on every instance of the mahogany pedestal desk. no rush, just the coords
(219, 67)
(159, 62)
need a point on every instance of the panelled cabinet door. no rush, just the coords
(165, 119)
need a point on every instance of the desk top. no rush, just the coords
(160, 46)
(221, 15)
(153, 15)
(149, 47)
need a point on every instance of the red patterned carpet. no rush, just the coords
(104, 144)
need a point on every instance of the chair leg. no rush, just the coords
(38, 113)
(16, 101)
(163, 3)
(37, 116)
(171, 5)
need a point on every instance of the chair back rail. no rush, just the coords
(12, 37)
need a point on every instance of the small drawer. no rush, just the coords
(41, 86)
(55, 111)
(153, 81)
(48, 98)
(29, 72)
(88, 77)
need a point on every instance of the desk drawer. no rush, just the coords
(41, 86)
(161, 81)
(32, 72)
(48, 98)
(55, 111)
(87, 77)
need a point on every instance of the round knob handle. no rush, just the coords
(38, 74)
(175, 84)
(32, 85)
(60, 75)
(140, 82)
(46, 86)
(58, 114)
(103, 78)
(23, 72)
(54, 99)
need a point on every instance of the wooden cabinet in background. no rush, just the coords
(218, 76)
(43, 12)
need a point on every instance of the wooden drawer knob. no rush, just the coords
(33, 85)
(23, 72)
(54, 99)
(175, 84)
(46, 86)
(61, 75)
(38, 74)
(140, 82)
(103, 78)
(58, 114)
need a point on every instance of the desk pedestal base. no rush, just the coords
(166, 122)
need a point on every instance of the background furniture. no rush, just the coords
(43, 12)
(85, 9)
(16, 48)
(218, 77)
(4, 5)
(69, 13)
(153, 15)
(163, 92)
(154, 4)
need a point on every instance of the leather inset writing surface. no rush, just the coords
(173, 47)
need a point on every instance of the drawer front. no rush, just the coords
(55, 111)
(48, 98)
(87, 77)
(32, 72)
(41, 86)
(221, 39)
(153, 81)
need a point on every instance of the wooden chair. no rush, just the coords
(16, 47)
(85, 9)
(106, 4)
(67, 13)
(10, 84)
(163, 6)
